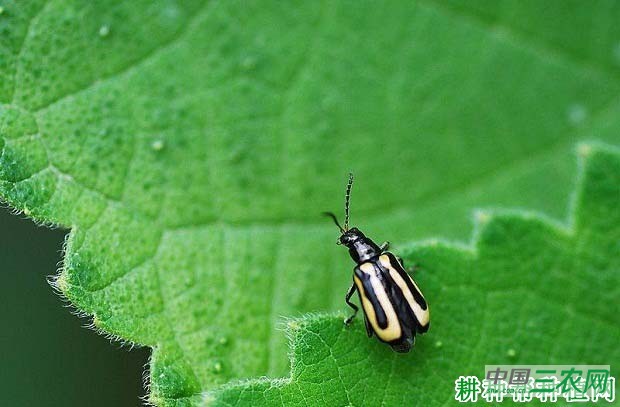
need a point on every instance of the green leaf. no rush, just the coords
(190, 147)
(493, 302)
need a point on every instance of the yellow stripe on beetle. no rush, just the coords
(421, 314)
(392, 331)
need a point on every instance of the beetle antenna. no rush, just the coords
(347, 200)
(331, 215)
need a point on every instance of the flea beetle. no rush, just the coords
(394, 307)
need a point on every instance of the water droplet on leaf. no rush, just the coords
(248, 63)
(157, 145)
(104, 30)
(577, 113)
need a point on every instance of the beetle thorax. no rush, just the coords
(362, 251)
(360, 247)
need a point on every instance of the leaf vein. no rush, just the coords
(545, 51)
(137, 64)
(21, 48)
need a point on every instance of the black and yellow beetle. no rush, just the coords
(394, 307)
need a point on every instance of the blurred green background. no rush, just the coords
(48, 358)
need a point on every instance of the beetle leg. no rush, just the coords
(384, 246)
(368, 327)
(347, 299)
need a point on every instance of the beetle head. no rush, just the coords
(349, 237)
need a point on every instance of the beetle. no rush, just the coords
(394, 307)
